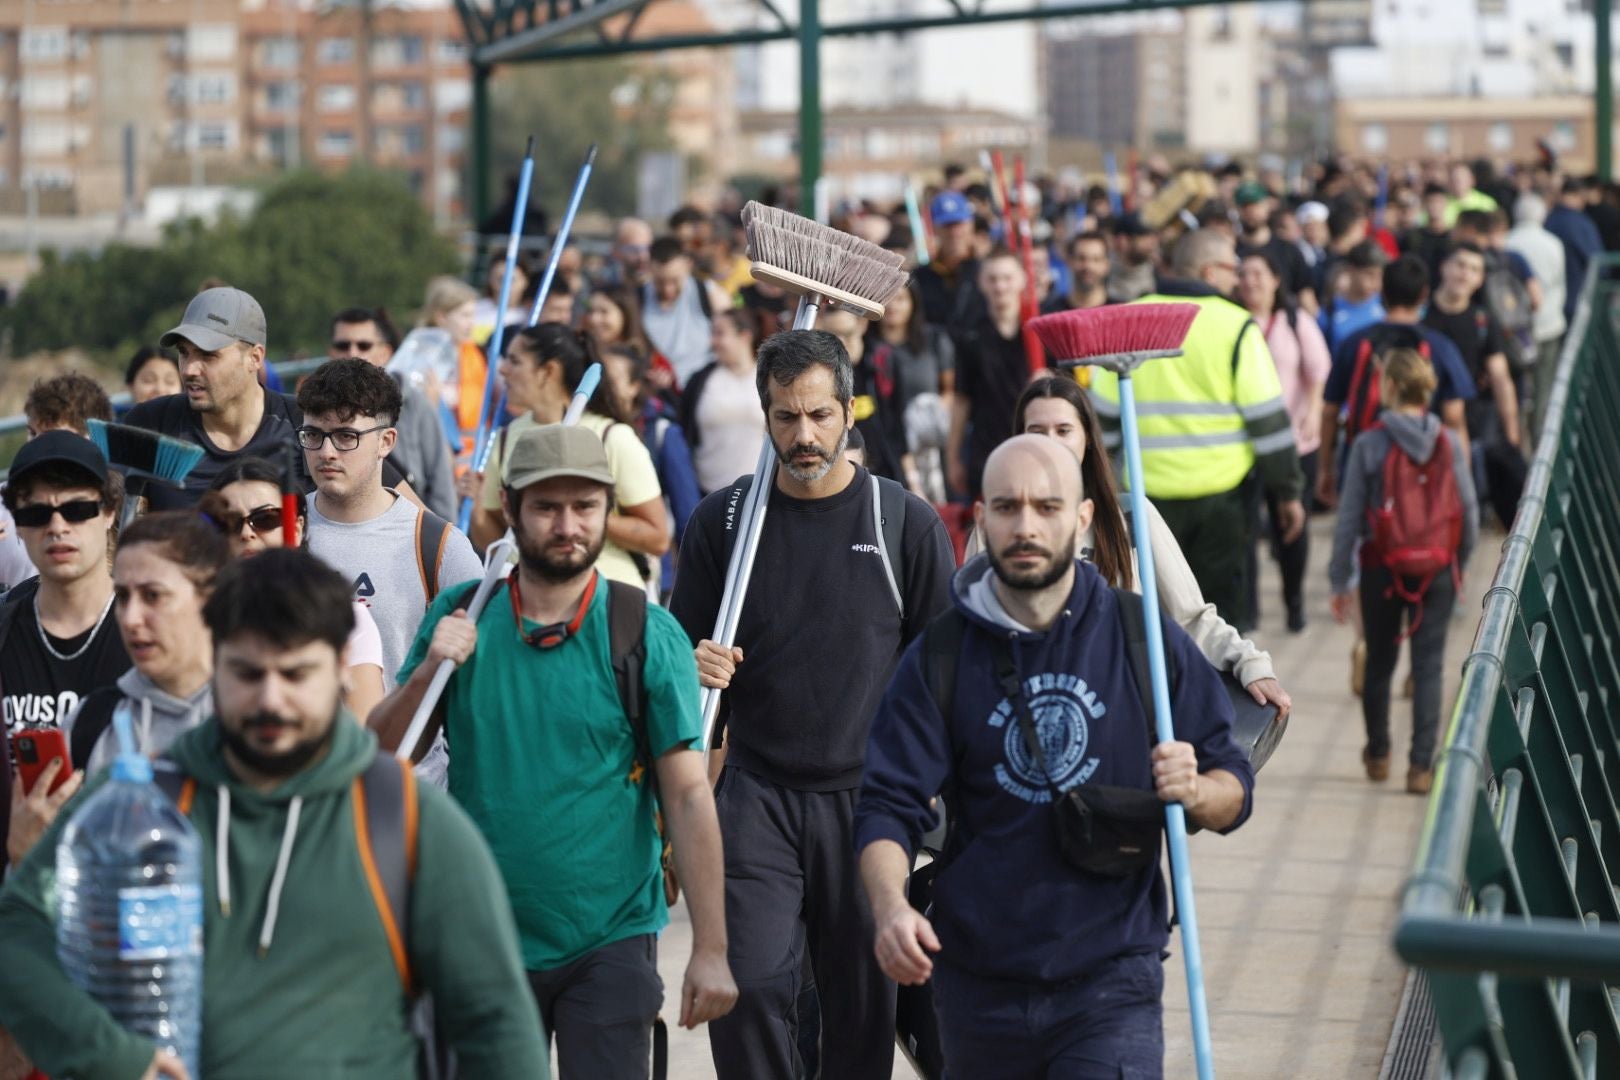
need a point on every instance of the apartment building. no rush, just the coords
(101, 101)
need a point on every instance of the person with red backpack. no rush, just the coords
(1409, 502)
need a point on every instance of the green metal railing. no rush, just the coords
(1513, 909)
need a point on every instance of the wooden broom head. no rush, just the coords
(1120, 329)
(808, 258)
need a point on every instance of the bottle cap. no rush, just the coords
(130, 766)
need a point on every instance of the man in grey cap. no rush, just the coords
(572, 716)
(221, 407)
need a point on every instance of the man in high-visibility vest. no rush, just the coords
(1207, 419)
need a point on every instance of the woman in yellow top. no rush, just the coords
(542, 366)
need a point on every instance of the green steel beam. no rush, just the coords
(809, 104)
(1605, 89)
(851, 29)
(480, 144)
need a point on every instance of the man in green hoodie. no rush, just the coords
(327, 994)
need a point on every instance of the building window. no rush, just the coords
(215, 136)
(1437, 138)
(452, 139)
(335, 50)
(44, 43)
(281, 95)
(213, 89)
(336, 143)
(46, 138)
(1499, 136)
(44, 92)
(335, 97)
(451, 95)
(406, 140)
(451, 51)
(279, 52)
(280, 144)
(1374, 138)
(412, 95)
(397, 51)
(1563, 136)
(211, 42)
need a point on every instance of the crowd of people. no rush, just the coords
(942, 603)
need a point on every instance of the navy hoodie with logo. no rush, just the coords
(1007, 905)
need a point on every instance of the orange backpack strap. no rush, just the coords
(179, 787)
(385, 825)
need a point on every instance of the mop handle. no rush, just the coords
(750, 526)
(1175, 814)
(562, 235)
(495, 568)
(486, 431)
(919, 234)
(582, 395)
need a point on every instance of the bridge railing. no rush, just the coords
(1512, 909)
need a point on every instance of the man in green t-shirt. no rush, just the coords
(546, 762)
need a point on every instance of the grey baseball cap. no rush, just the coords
(217, 317)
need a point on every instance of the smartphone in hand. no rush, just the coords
(34, 749)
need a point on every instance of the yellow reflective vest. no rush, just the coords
(1210, 415)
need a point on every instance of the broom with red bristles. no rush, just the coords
(1121, 339)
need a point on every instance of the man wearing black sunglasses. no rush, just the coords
(57, 641)
(222, 407)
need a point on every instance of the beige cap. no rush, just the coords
(552, 450)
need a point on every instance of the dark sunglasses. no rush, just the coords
(38, 515)
(262, 520)
(357, 346)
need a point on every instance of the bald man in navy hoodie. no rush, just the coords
(1039, 968)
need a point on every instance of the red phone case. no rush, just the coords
(34, 749)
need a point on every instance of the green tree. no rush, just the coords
(567, 105)
(314, 244)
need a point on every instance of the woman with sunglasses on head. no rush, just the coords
(542, 366)
(1058, 407)
(244, 503)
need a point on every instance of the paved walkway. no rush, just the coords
(1296, 908)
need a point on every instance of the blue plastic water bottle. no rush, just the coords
(129, 927)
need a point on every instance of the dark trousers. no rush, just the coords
(1107, 1025)
(1213, 532)
(1292, 558)
(600, 1009)
(792, 886)
(1381, 618)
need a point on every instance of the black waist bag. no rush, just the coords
(1103, 830)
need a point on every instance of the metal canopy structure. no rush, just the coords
(531, 31)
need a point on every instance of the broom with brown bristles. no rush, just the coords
(824, 268)
(1121, 339)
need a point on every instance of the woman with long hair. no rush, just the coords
(1301, 354)
(720, 410)
(922, 362)
(451, 306)
(1058, 407)
(244, 504)
(613, 317)
(542, 367)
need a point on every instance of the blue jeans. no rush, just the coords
(1107, 1025)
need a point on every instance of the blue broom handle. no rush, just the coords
(562, 235)
(1175, 814)
(513, 238)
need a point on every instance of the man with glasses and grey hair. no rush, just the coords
(399, 556)
(221, 406)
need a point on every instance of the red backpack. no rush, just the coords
(1363, 404)
(1414, 532)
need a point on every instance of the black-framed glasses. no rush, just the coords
(357, 346)
(343, 439)
(261, 519)
(38, 515)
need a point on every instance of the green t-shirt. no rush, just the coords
(541, 756)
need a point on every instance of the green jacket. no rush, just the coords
(325, 999)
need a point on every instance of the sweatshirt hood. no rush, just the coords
(973, 591)
(1415, 435)
(200, 755)
(159, 717)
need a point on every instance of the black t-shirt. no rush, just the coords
(1476, 335)
(41, 690)
(877, 412)
(991, 371)
(947, 295)
(1296, 272)
(174, 416)
(820, 632)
